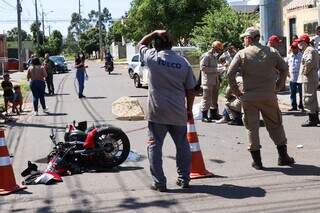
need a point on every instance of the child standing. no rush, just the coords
(18, 99)
(8, 94)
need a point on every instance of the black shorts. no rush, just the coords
(9, 98)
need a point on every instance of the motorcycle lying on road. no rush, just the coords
(86, 149)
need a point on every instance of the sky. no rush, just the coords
(58, 12)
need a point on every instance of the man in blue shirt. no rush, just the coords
(294, 61)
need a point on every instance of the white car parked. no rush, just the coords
(132, 64)
(140, 72)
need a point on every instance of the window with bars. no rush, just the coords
(310, 28)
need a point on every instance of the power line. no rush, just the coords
(8, 4)
(31, 20)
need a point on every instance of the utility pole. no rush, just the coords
(37, 22)
(49, 30)
(19, 10)
(43, 23)
(79, 7)
(100, 32)
(270, 19)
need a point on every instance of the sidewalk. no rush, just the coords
(284, 98)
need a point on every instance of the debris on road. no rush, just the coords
(127, 108)
(133, 156)
(300, 146)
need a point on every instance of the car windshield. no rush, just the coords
(58, 59)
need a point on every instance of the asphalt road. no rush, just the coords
(236, 188)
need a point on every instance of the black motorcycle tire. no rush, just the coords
(117, 135)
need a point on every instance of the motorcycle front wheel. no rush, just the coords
(115, 147)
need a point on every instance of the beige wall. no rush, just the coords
(303, 16)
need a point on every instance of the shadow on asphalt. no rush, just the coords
(115, 73)
(286, 92)
(116, 169)
(297, 170)
(58, 94)
(23, 192)
(35, 125)
(54, 114)
(226, 191)
(133, 203)
(98, 97)
(296, 113)
(138, 96)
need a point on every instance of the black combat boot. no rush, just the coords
(256, 156)
(214, 114)
(313, 121)
(205, 117)
(284, 159)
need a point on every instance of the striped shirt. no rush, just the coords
(294, 62)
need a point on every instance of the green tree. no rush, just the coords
(53, 46)
(115, 33)
(33, 29)
(78, 24)
(179, 17)
(225, 25)
(94, 18)
(89, 40)
(12, 35)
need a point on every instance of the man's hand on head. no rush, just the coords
(146, 40)
(161, 33)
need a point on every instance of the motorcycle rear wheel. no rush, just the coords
(116, 145)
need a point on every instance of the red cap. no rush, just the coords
(274, 38)
(304, 37)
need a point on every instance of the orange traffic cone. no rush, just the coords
(198, 169)
(7, 179)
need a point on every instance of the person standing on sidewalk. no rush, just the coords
(294, 61)
(260, 66)
(49, 67)
(210, 82)
(171, 85)
(309, 78)
(36, 73)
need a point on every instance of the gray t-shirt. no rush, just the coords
(169, 76)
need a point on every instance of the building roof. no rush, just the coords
(298, 4)
(245, 8)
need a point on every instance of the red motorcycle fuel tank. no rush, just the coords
(89, 143)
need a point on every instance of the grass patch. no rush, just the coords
(120, 60)
(69, 57)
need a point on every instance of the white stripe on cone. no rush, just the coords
(195, 147)
(5, 161)
(191, 128)
(2, 142)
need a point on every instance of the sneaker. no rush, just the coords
(223, 120)
(35, 113)
(46, 110)
(159, 188)
(183, 184)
